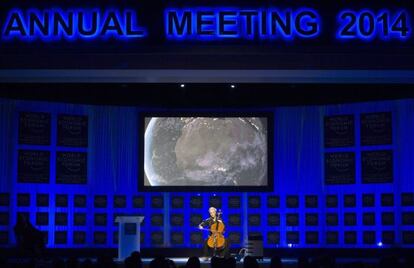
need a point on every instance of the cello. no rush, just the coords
(216, 240)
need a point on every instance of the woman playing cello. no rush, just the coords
(215, 244)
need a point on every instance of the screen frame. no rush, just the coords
(269, 114)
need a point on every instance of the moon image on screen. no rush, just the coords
(205, 151)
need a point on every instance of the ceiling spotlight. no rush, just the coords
(182, 85)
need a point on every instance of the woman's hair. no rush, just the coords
(212, 208)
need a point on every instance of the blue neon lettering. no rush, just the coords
(62, 24)
(226, 20)
(15, 25)
(367, 25)
(281, 23)
(204, 23)
(88, 29)
(248, 18)
(54, 24)
(306, 24)
(213, 24)
(177, 25)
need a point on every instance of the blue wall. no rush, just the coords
(298, 171)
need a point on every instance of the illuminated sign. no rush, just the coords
(248, 24)
(74, 24)
(366, 24)
(204, 24)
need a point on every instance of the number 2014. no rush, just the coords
(368, 25)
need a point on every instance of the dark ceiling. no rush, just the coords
(206, 95)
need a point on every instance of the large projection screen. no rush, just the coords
(206, 151)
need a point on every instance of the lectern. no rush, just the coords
(128, 235)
